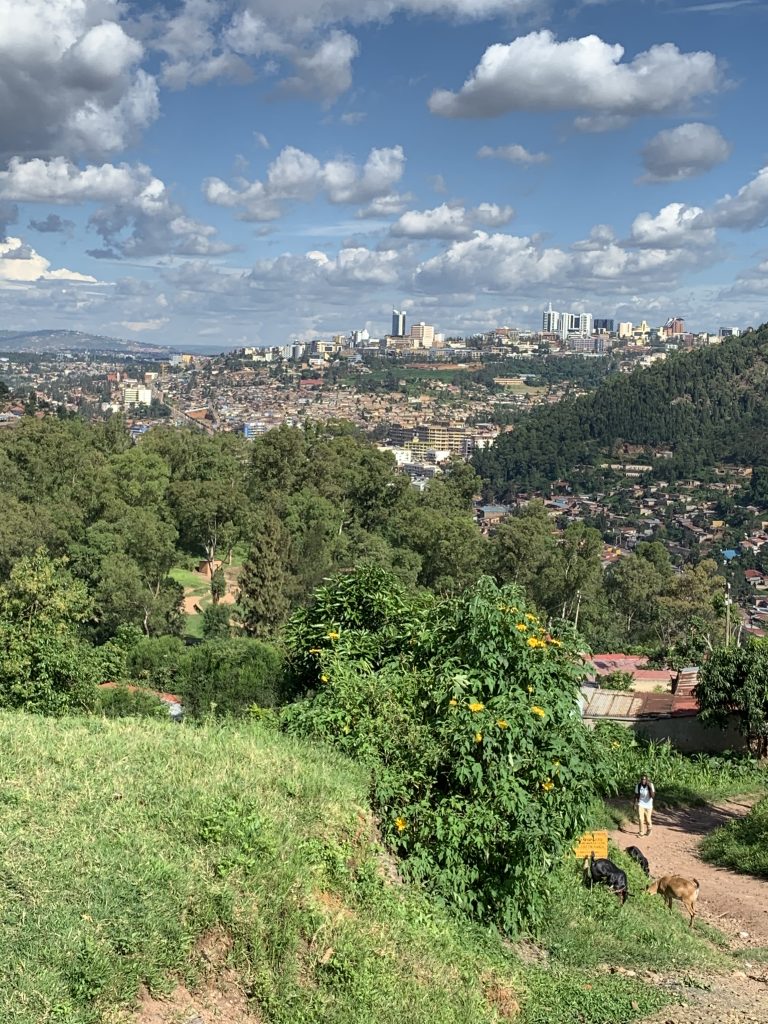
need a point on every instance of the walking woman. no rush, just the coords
(645, 791)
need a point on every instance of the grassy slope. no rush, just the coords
(741, 845)
(124, 842)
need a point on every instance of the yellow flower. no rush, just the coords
(531, 618)
(521, 626)
(453, 702)
(535, 642)
(478, 737)
(536, 710)
(323, 679)
(615, 744)
(546, 786)
(401, 824)
(333, 635)
(530, 689)
(556, 763)
(476, 706)
(502, 723)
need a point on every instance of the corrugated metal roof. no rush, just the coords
(613, 704)
(617, 705)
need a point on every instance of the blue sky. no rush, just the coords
(226, 172)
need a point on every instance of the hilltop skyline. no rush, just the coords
(225, 172)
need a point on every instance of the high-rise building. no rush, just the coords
(675, 325)
(625, 329)
(550, 322)
(398, 323)
(423, 333)
(601, 324)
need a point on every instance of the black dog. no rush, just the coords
(637, 855)
(605, 872)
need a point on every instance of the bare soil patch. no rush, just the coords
(220, 999)
(739, 998)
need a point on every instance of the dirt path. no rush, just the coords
(736, 905)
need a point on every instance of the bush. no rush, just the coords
(741, 845)
(156, 662)
(465, 711)
(47, 670)
(124, 702)
(617, 681)
(216, 621)
(228, 677)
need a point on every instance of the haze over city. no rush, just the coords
(235, 172)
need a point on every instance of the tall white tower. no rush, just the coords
(550, 322)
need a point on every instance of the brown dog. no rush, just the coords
(675, 887)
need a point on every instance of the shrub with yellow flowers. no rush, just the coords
(482, 772)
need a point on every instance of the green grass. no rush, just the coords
(741, 845)
(192, 581)
(194, 626)
(640, 935)
(126, 841)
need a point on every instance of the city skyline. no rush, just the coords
(225, 172)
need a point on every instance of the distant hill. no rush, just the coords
(74, 341)
(704, 407)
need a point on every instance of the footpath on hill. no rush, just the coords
(737, 905)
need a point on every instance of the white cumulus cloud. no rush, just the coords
(674, 226)
(514, 154)
(70, 79)
(747, 210)
(20, 264)
(446, 221)
(537, 72)
(296, 175)
(140, 218)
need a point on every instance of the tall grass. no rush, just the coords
(679, 779)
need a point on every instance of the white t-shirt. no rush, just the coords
(644, 794)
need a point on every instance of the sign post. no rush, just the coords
(593, 842)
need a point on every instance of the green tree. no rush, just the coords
(691, 612)
(733, 683)
(758, 487)
(209, 515)
(523, 546)
(41, 592)
(264, 580)
(216, 622)
(634, 585)
(45, 665)
(218, 585)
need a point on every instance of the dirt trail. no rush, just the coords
(732, 903)
(736, 905)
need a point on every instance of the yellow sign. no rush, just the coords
(592, 842)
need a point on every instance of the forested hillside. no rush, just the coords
(706, 406)
(302, 503)
(295, 507)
